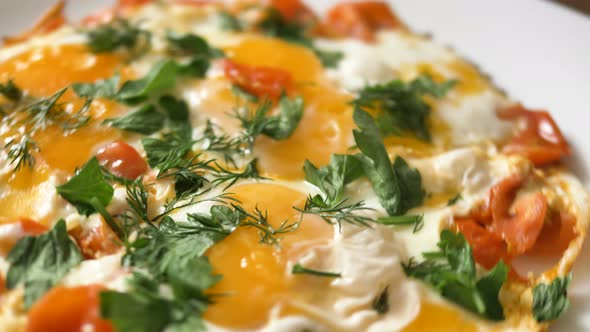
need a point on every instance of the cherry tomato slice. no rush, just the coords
(96, 241)
(555, 236)
(541, 140)
(292, 10)
(259, 81)
(488, 248)
(360, 19)
(62, 309)
(122, 160)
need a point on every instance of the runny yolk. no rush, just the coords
(41, 73)
(327, 124)
(255, 275)
(435, 317)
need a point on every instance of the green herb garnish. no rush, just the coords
(550, 300)
(299, 269)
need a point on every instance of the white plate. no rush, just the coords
(536, 50)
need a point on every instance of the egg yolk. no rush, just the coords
(41, 73)
(436, 317)
(326, 126)
(255, 275)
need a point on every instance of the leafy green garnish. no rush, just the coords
(118, 34)
(10, 91)
(178, 117)
(403, 105)
(417, 221)
(196, 48)
(332, 178)
(280, 126)
(336, 212)
(39, 262)
(550, 300)
(106, 88)
(229, 22)
(397, 186)
(453, 200)
(299, 269)
(275, 25)
(87, 188)
(161, 77)
(146, 120)
(161, 152)
(20, 153)
(381, 302)
(451, 271)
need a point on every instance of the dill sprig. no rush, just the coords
(259, 219)
(336, 212)
(228, 177)
(20, 154)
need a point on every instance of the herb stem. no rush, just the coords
(299, 269)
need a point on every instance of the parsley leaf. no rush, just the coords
(332, 178)
(279, 127)
(162, 76)
(10, 91)
(550, 300)
(100, 89)
(403, 106)
(161, 152)
(146, 120)
(329, 59)
(118, 34)
(197, 48)
(229, 22)
(397, 186)
(452, 272)
(282, 125)
(178, 116)
(87, 188)
(39, 262)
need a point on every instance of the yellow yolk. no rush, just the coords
(440, 318)
(255, 275)
(327, 124)
(41, 73)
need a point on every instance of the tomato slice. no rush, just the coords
(488, 248)
(64, 309)
(360, 19)
(541, 140)
(96, 241)
(502, 195)
(52, 20)
(522, 230)
(555, 236)
(12, 232)
(122, 160)
(100, 17)
(257, 80)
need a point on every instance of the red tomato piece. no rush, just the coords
(101, 17)
(52, 20)
(132, 3)
(541, 140)
(12, 232)
(501, 196)
(260, 81)
(97, 241)
(522, 230)
(122, 160)
(360, 19)
(488, 248)
(64, 309)
(555, 236)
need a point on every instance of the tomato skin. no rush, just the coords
(97, 241)
(122, 160)
(258, 80)
(522, 230)
(62, 309)
(53, 19)
(360, 19)
(12, 232)
(555, 236)
(541, 140)
(488, 248)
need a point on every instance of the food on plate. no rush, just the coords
(190, 165)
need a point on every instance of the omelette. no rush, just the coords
(193, 165)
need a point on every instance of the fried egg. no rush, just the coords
(367, 288)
